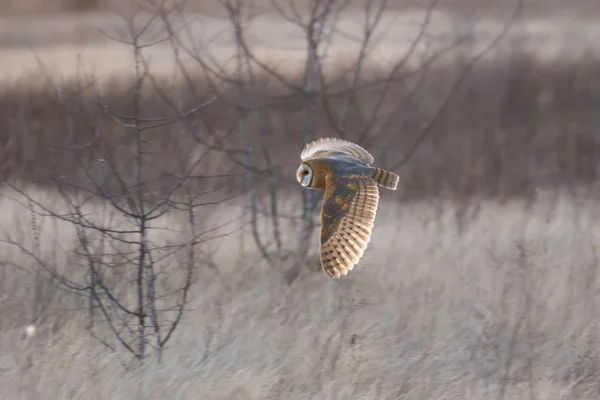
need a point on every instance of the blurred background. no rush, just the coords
(155, 242)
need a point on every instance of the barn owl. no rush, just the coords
(343, 170)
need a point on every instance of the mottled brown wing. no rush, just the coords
(349, 208)
(326, 147)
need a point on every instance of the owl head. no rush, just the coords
(304, 175)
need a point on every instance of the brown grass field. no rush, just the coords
(480, 280)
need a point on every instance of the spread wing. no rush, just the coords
(326, 147)
(349, 208)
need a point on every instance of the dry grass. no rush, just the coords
(480, 280)
(436, 309)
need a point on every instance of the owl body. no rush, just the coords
(343, 170)
(323, 167)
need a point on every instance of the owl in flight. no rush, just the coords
(343, 170)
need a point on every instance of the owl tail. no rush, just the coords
(385, 178)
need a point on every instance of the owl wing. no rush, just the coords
(326, 147)
(347, 216)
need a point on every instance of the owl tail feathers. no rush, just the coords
(387, 179)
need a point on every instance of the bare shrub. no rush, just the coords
(137, 287)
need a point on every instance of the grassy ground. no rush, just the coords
(503, 307)
(480, 280)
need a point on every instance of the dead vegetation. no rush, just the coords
(480, 280)
(514, 125)
(501, 307)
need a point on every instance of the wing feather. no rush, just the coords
(347, 223)
(326, 147)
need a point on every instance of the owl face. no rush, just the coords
(304, 175)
